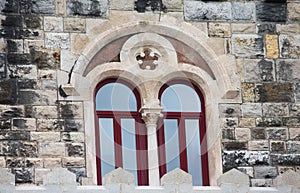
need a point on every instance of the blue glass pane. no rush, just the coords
(129, 147)
(115, 97)
(172, 144)
(193, 150)
(107, 145)
(180, 98)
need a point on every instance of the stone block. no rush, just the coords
(222, 30)
(247, 122)
(259, 70)
(271, 12)
(15, 46)
(119, 176)
(277, 133)
(277, 146)
(75, 149)
(2, 163)
(243, 11)
(11, 111)
(68, 59)
(176, 177)
(266, 28)
(41, 112)
(50, 125)
(235, 177)
(276, 92)
(7, 181)
(79, 173)
(60, 41)
(32, 21)
(5, 124)
(261, 182)
(173, 5)
(261, 172)
(285, 159)
(288, 70)
(52, 162)
(122, 5)
(39, 173)
(243, 28)
(19, 148)
(2, 65)
(79, 42)
(283, 169)
(291, 121)
(248, 92)
(73, 162)
(52, 149)
(43, 7)
(34, 162)
(53, 24)
(242, 134)
(229, 110)
(294, 133)
(45, 58)
(272, 49)
(234, 145)
(293, 147)
(61, 7)
(247, 170)
(288, 178)
(8, 92)
(18, 59)
(289, 46)
(45, 136)
(71, 109)
(13, 162)
(293, 10)
(23, 175)
(258, 145)
(94, 8)
(229, 122)
(251, 110)
(14, 135)
(37, 97)
(228, 134)
(199, 11)
(23, 71)
(244, 45)
(74, 25)
(73, 125)
(61, 179)
(275, 109)
(293, 28)
(258, 133)
(72, 136)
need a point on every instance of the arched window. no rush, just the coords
(121, 139)
(181, 134)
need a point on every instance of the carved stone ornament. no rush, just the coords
(147, 58)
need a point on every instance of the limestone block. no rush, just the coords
(53, 24)
(176, 176)
(294, 133)
(39, 174)
(219, 30)
(199, 11)
(74, 25)
(277, 146)
(243, 11)
(2, 45)
(293, 147)
(173, 5)
(73, 162)
(50, 149)
(98, 8)
(122, 5)
(34, 162)
(271, 12)
(243, 28)
(234, 145)
(41, 111)
(28, 44)
(275, 109)
(293, 28)
(68, 59)
(251, 110)
(23, 71)
(289, 46)
(57, 41)
(247, 122)
(7, 181)
(71, 110)
(269, 122)
(247, 170)
(79, 42)
(293, 11)
(60, 179)
(291, 121)
(61, 7)
(43, 7)
(73, 136)
(119, 176)
(259, 70)
(49, 124)
(258, 133)
(229, 110)
(52, 162)
(277, 133)
(288, 178)
(242, 134)
(45, 136)
(11, 111)
(288, 70)
(245, 45)
(234, 177)
(272, 50)
(261, 182)
(2, 162)
(258, 145)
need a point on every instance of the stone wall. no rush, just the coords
(41, 39)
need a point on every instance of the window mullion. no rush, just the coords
(118, 142)
(182, 144)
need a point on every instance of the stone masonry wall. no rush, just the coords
(39, 38)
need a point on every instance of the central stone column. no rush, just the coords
(151, 112)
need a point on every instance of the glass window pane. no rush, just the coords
(172, 144)
(116, 97)
(180, 98)
(129, 147)
(193, 150)
(107, 155)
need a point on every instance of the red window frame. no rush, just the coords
(140, 131)
(181, 117)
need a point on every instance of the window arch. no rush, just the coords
(182, 131)
(121, 139)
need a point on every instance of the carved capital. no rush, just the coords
(151, 112)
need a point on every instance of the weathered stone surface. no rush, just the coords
(229, 122)
(22, 71)
(289, 178)
(39, 173)
(283, 169)
(242, 134)
(248, 92)
(8, 92)
(5, 124)
(251, 110)
(258, 145)
(229, 110)
(53, 24)
(277, 146)
(61, 7)
(258, 133)
(50, 125)
(199, 11)
(292, 28)
(11, 111)
(245, 45)
(73, 162)
(43, 7)
(243, 11)
(288, 70)
(57, 41)
(173, 5)
(228, 134)
(291, 121)
(233, 176)
(41, 112)
(118, 176)
(15, 46)
(71, 110)
(234, 145)
(259, 70)
(32, 21)
(272, 50)
(247, 122)
(276, 92)
(219, 30)
(79, 173)
(271, 12)
(121, 5)
(261, 182)
(277, 133)
(294, 133)
(275, 109)
(293, 147)
(34, 162)
(79, 42)
(59, 176)
(2, 66)
(247, 170)
(45, 136)
(18, 59)
(74, 25)
(243, 28)
(12, 162)
(72, 136)
(18, 148)
(14, 135)
(49, 85)
(75, 149)
(44, 58)
(289, 46)
(97, 8)
(27, 84)
(52, 162)
(37, 97)
(265, 172)
(52, 149)
(269, 122)
(266, 28)
(285, 159)
(293, 10)
(23, 175)
(2, 163)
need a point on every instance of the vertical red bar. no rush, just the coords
(118, 142)
(182, 144)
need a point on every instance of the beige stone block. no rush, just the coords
(53, 24)
(202, 26)
(217, 45)
(294, 133)
(222, 30)
(240, 68)
(79, 42)
(247, 122)
(73, 136)
(33, 43)
(259, 145)
(28, 124)
(45, 136)
(49, 149)
(243, 28)
(97, 26)
(2, 162)
(243, 134)
(39, 174)
(36, 162)
(73, 162)
(173, 5)
(2, 45)
(49, 125)
(272, 46)
(85, 181)
(61, 7)
(52, 162)
(248, 92)
(293, 10)
(127, 5)
(74, 25)
(288, 28)
(57, 41)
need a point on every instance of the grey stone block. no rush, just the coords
(275, 109)
(43, 6)
(93, 8)
(259, 70)
(271, 12)
(243, 11)
(288, 70)
(245, 45)
(263, 172)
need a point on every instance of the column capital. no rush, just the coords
(151, 112)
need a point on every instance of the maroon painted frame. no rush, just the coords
(140, 129)
(181, 116)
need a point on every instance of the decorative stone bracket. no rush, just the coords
(67, 90)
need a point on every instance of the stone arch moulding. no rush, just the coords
(215, 81)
